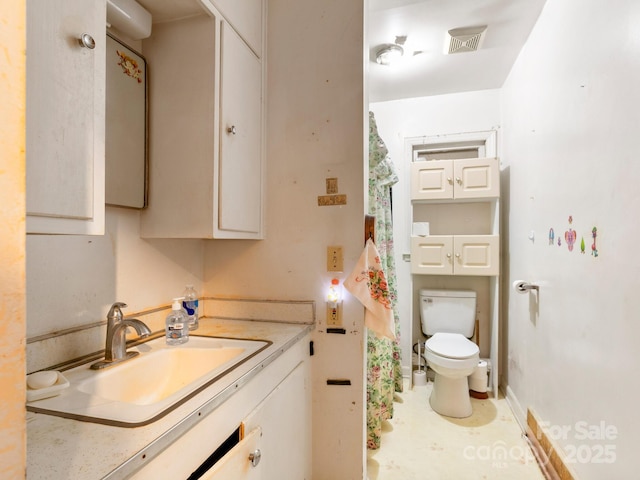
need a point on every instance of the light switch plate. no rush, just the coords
(335, 260)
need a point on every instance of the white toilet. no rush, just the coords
(448, 319)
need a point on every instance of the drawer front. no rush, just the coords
(237, 463)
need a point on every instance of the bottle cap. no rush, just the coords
(176, 305)
(335, 281)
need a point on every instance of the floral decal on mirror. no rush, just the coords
(129, 66)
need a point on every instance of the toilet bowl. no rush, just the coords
(453, 358)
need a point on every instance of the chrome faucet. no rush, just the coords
(116, 346)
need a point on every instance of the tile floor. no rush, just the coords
(419, 444)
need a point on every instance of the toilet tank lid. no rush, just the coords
(425, 292)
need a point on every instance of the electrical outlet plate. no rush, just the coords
(334, 315)
(335, 262)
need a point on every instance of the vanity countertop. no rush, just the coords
(61, 448)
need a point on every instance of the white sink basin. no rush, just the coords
(146, 387)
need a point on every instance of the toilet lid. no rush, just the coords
(452, 345)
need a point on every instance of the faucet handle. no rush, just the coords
(115, 312)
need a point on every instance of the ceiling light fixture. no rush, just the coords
(389, 54)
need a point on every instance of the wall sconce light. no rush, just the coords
(334, 304)
(389, 54)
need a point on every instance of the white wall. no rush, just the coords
(570, 122)
(428, 116)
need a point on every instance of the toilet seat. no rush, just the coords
(452, 345)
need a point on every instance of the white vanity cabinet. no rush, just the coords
(467, 178)
(273, 413)
(65, 116)
(206, 141)
(271, 447)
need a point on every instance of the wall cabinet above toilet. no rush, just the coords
(455, 255)
(459, 199)
(455, 189)
(455, 179)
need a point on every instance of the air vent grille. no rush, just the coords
(464, 39)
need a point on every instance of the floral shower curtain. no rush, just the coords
(384, 372)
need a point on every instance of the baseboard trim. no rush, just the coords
(516, 408)
(550, 458)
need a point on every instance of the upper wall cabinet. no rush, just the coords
(245, 16)
(455, 179)
(206, 140)
(65, 116)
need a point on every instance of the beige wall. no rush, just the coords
(315, 131)
(12, 245)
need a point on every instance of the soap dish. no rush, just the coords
(34, 394)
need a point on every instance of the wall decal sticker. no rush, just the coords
(551, 235)
(570, 219)
(594, 250)
(559, 242)
(570, 237)
(582, 245)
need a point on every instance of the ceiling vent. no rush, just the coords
(467, 39)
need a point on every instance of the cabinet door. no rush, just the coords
(65, 117)
(285, 418)
(476, 254)
(432, 255)
(240, 167)
(431, 180)
(476, 178)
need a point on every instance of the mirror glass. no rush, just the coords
(126, 154)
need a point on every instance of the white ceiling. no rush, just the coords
(425, 23)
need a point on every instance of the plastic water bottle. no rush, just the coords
(177, 325)
(190, 305)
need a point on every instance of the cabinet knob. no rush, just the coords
(231, 129)
(448, 255)
(87, 41)
(459, 180)
(450, 180)
(457, 255)
(254, 457)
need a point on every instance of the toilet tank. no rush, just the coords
(448, 311)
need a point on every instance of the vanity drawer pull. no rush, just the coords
(255, 457)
